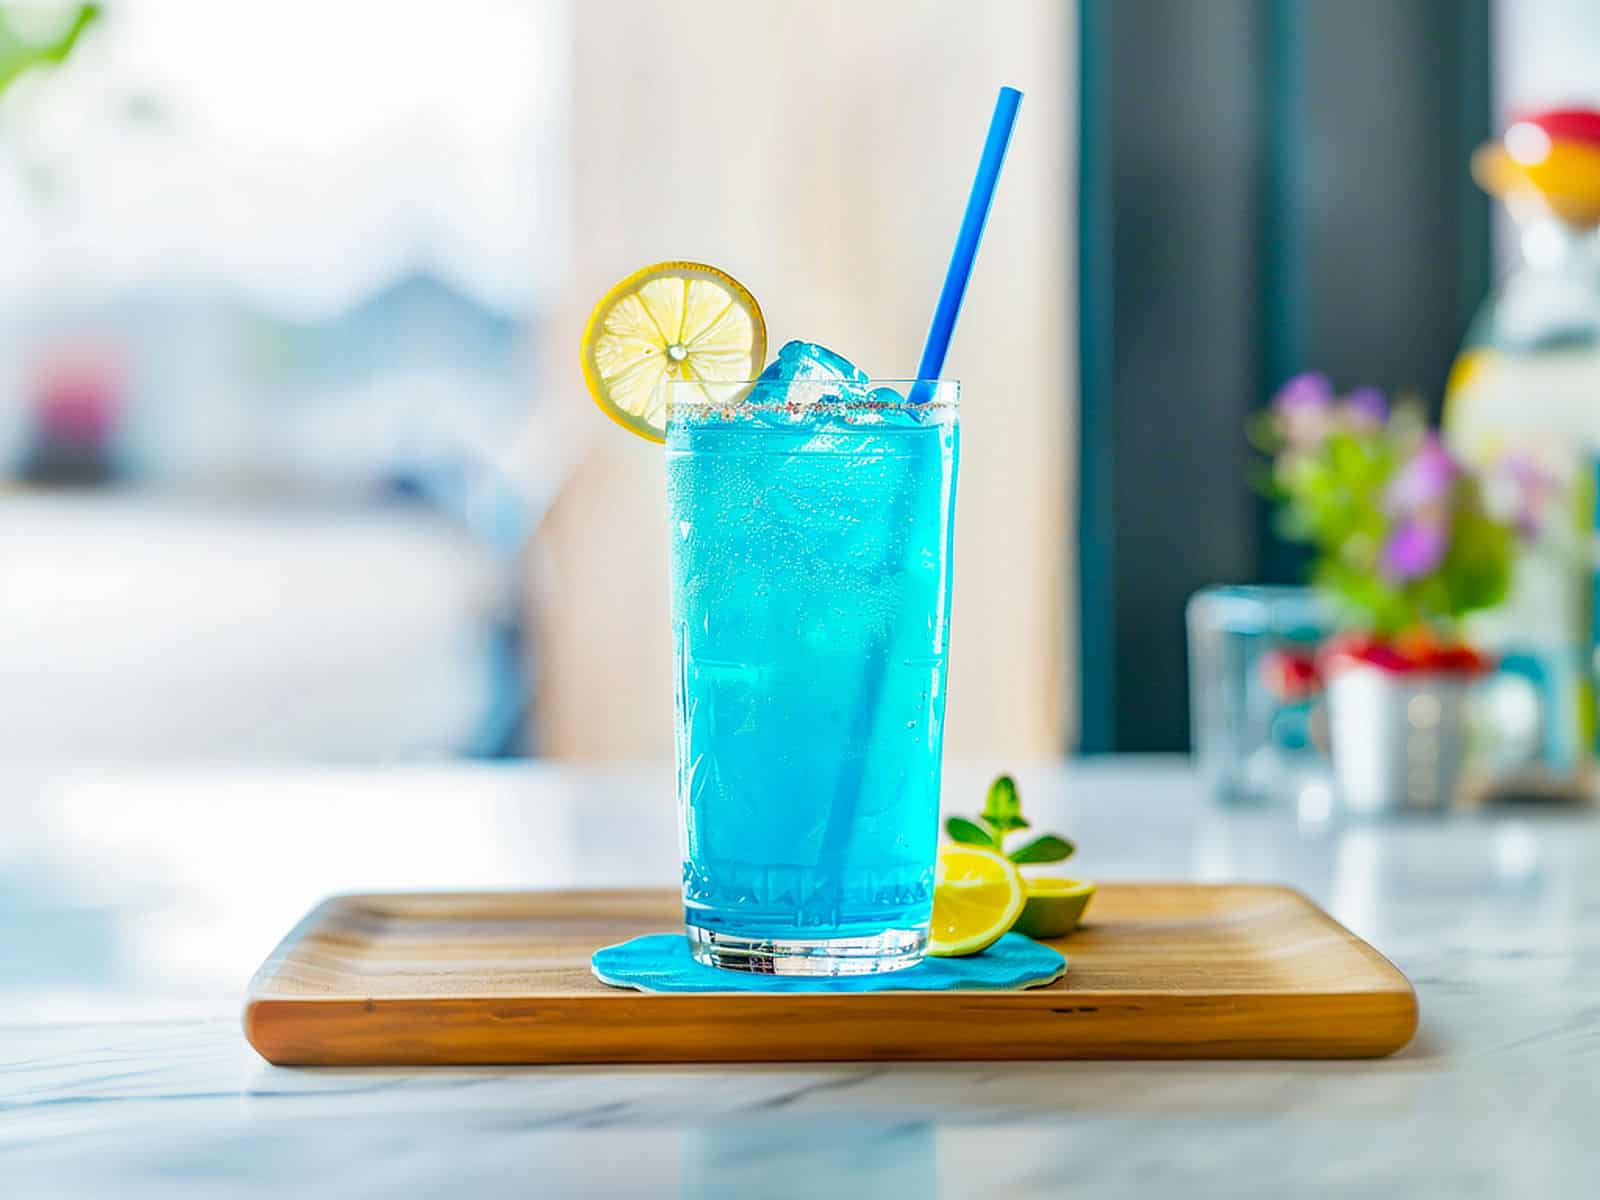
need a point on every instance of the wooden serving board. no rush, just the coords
(1158, 971)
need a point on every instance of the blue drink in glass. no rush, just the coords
(810, 552)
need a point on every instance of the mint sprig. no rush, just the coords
(1002, 816)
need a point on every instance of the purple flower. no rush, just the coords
(1414, 549)
(1310, 389)
(1517, 491)
(1302, 408)
(1424, 481)
(1365, 408)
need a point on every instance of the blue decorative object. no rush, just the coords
(660, 962)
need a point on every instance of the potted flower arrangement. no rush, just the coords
(1405, 546)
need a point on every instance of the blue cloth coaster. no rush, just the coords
(661, 962)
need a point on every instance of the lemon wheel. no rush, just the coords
(675, 320)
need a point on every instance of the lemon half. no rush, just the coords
(675, 320)
(977, 896)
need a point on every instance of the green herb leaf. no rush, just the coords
(1002, 812)
(969, 833)
(1046, 849)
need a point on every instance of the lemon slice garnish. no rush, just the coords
(675, 320)
(977, 896)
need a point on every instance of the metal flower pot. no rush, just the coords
(1397, 738)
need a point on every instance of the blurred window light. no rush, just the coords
(301, 243)
(302, 152)
(268, 293)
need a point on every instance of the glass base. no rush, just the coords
(891, 950)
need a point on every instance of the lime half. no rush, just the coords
(1054, 906)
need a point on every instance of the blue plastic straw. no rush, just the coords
(972, 223)
(847, 789)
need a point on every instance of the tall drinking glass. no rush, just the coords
(810, 546)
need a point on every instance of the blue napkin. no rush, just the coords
(661, 962)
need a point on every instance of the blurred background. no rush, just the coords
(296, 461)
(297, 458)
(272, 284)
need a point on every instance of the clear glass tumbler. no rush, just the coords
(810, 551)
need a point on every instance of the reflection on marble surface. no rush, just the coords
(132, 909)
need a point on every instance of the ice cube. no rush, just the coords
(807, 360)
(808, 364)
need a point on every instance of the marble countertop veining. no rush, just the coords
(133, 906)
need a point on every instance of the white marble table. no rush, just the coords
(134, 906)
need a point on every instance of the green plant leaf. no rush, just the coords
(18, 55)
(969, 833)
(1046, 849)
(1002, 811)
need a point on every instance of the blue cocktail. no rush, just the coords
(810, 528)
